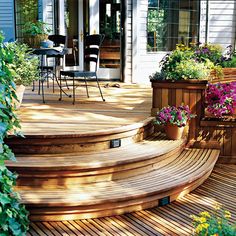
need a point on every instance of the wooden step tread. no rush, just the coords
(189, 166)
(154, 146)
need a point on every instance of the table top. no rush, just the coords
(50, 51)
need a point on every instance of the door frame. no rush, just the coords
(60, 28)
(108, 73)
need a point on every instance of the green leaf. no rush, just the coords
(4, 199)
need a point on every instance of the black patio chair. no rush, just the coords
(91, 55)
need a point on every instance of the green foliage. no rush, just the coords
(29, 9)
(212, 52)
(190, 70)
(156, 24)
(13, 216)
(157, 76)
(195, 62)
(33, 28)
(214, 223)
(182, 64)
(24, 67)
(229, 63)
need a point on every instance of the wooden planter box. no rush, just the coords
(175, 93)
(229, 75)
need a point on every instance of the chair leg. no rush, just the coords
(47, 78)
(86, 85)
(100, 89)
(53, 78)
(33, 86)
(39, 86)
(60, 89)
(43, 92)
(73, 90)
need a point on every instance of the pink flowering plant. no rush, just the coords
(174, 115)
(221, 98)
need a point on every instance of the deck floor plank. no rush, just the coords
(173, 219)
(123, 106)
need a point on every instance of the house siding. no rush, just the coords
(7, 19)
(222, 22)
(217, 25)
(128, 52)
(144, 63)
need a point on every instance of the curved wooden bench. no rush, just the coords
(86, 167)
(183, 174)
(87, 141)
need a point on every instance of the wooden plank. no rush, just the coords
(179, 97)
(176, 214)
(165, 96)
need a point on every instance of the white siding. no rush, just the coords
(144, 64)
(219, 29)
(128, 58)
(221, 22)
(7, 21)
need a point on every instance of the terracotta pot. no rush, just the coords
(173, 131)
(234, 111)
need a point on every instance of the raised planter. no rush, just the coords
(229, 75)
(175, 93)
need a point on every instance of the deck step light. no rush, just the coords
(164, 201)
(114, 143)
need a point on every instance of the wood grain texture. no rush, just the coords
(89, 124)
(172, 219)
(184, 173)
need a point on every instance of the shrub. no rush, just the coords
(23, 67)
(13, 216)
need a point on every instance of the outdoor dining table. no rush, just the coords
(45, 70)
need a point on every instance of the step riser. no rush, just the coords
(53, 145)
(117, 208)
(28, 178)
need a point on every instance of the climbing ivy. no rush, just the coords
(13, 215)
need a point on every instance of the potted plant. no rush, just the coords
(24, 68)
(182, 64)
(36, 32)
(221, 99)
(174, 120)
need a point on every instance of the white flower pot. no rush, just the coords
(20, 89)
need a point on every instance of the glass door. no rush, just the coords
(108, 22)
(74, 30)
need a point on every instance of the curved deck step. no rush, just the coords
(86, 167)
(185, 173)
(78, 142)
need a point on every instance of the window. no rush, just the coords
(170, 22)
(25, 10)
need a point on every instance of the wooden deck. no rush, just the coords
(172, 219)
(123, 106)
